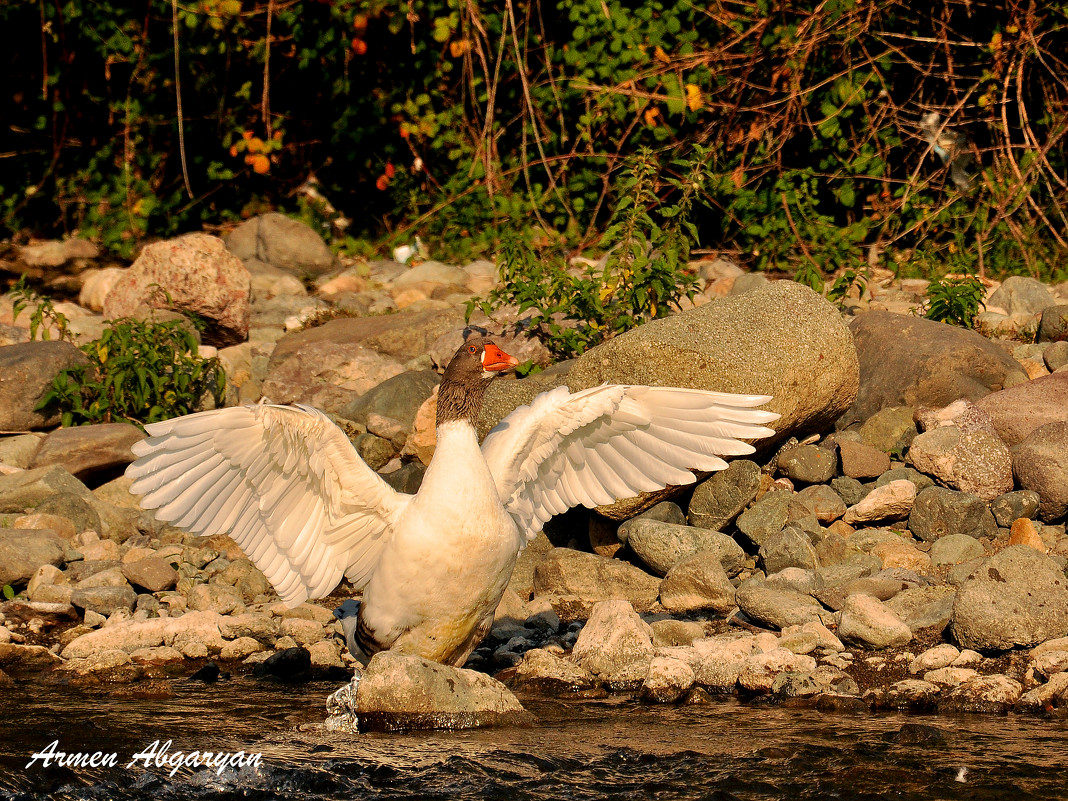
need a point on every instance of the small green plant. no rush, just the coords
(44, 312)
(9, 592)
(955, 300)
(850, 278)
(643, 273)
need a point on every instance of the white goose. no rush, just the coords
(286, 484)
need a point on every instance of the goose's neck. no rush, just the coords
(460, 401)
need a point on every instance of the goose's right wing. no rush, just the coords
(284, 482)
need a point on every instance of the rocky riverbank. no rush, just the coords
(900, 544)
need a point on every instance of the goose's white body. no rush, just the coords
(287, 485)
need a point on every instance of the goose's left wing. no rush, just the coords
(614, 441)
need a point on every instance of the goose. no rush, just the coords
(286, 484)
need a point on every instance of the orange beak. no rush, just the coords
(495, 359)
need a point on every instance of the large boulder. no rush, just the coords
(910, 361)
(1016, 598)
(1021, 294)
(583, 579)
(194, 273)
(26, 373)
(85, 450)
(1019, 410)
(281, 242)
(1040, 463)
(615, 644)
(23, 551)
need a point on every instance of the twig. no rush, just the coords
(178, 99)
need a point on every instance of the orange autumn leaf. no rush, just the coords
(359, 46)
(260, 164)
(255, 145)
(459, 47)
(695, 100)
(660, 55)
(233, 150)
(382, 182)
(651, 115)
(390, 171)
(246, 134)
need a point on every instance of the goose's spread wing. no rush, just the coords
(613, 441)
(284, 482)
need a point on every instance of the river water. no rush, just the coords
(610, 749)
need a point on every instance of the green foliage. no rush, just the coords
(9, 592)
(44, 312)
(139, 371)
(955, 300)
(647, 246)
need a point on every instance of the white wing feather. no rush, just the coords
(611, 442)
(283, 481)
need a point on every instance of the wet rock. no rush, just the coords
(399, 692)
(910, 361)
(770, 515)
(953, 549)
(824, 503)
(26, 373)
(662, 545)
(862, 461)
(778, 607)
(1018, 411)
(808, 464)
(589, 578)
(24, 551)
(866, 621)
(615, 643)
(668, 681)
(104, 600)
(290, 664)
(1051, 695)
(994, 693)
(1013, 505)
(939, 511)
(760, 671)
(914, 695)
(790, 547)
(824, 680)
(974, 461)
(718, 500)
(696, 583)
(190, 274)
(1040, 463)
(1017, 597)
(1049, 663)
(544, 672)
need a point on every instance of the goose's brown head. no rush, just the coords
(467, 376)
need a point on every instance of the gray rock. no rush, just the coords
(1017, 597)
(111, 577)
(850, 490)
(718, 500)
(220, 598)
(19, 450)
(282, 242)
(823, 680)
(85, 451)
(889, 430)
(1040, 463)
(26, 373)
(974, 461)
(893, 501)
(665, 512)
(190, 274)
(790, 547)
(669, 633)
(953, 549)
(407, 478)
(1018, 411)
(808, 464)
(1013, 505)
(778, 607)
(698, 583)
(1054, 324)
(939, 511)
(862, 461)
(615, 645)
(868, 622)
(104, 600)
(328, 375)
(910, 361)
(397, 398)
(399, 692)
(747, 344)
(668, 680)
(770, 515)
(1056, 355)
(761, 670)
(1021, 294)
(589, 578)
(662, 545)
(921, 481)
(544, 672)
(76, 507)
(24, 551)
(824, 503)
(374, 450)
(988, 694)
(153, 574)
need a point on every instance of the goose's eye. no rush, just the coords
(472, 349)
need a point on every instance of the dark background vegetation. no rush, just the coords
(465, 123)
